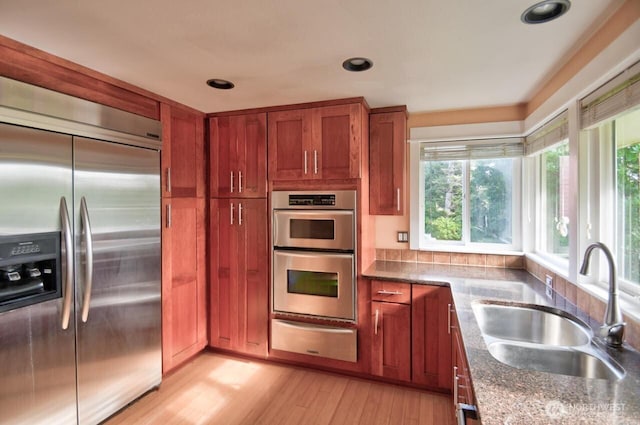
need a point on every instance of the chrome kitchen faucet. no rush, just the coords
(613, 328)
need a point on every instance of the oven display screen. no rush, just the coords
(312, 283)
(311, 229)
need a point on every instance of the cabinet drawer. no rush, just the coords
(393, 292)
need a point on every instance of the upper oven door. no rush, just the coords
(314, 229)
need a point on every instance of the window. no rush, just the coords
(610, 120)
(549, 148)
(470, 202)
(627, 158)
(617, 146)
(553, 220)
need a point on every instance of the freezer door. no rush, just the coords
(37, 356)
(118, 316)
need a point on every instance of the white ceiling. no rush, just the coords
(427, 54)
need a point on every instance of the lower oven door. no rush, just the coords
(314, 283)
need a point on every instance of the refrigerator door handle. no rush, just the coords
(88, 241)
(68, 280)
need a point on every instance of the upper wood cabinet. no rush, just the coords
(238, 156)
(387, 142)
(431, 338)
(184, 303)
(316, 143)
(182, 153)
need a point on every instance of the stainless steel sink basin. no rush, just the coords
(541, 338)
(530, 323)
(555, 360)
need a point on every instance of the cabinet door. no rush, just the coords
(253, 280)
(391, 352)
(462, 387)
(223, 137)
(387, 142)
(182, 153)
(223, 322)
(238, 156)
(290, 145)
(337, 139)
(431, 339)
(239, 300)
(252, 155)
(184, 281)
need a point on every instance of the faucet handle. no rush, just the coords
(613, 334)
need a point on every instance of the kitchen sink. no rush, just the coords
(555, 360)
(542, 338)
(530, 323)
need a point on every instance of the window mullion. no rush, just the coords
(466, 196)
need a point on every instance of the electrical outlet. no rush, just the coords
(403, 236)
(548, 281)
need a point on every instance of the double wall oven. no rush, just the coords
(314, 273)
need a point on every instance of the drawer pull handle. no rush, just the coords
(385, 292)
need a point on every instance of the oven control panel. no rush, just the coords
(310, 200)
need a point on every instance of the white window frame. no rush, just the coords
(559, 263)
(598, 175)
(418, 238)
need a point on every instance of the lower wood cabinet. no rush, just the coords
(184, 303)
(391, 348)
(239, 282)
(462, 387)
(431, 336)
(411, 339)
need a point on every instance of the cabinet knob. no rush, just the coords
(231, 182)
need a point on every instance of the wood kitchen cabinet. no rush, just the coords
(462, 387)
(239, 280)
(321, 143)
(238, 156)
(411, 337)
(431, 336)
(184, 303)
(387, 144)
(182, 153)
(391, 339)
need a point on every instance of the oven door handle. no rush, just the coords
(313, 328)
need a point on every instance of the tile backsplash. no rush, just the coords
(452, 258)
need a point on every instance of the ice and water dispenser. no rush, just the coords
(29, 269)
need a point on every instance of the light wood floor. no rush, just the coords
(219, 389)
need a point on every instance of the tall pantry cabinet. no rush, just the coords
(184, 303)
(239, 281)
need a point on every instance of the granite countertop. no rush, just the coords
(504, 394)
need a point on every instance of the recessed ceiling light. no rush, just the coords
(545, 11)
(218, 83)
(357, 64)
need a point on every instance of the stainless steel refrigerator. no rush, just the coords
(80, 257)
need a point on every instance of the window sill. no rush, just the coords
(556, 267)
(468, 250)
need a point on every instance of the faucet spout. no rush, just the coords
(613, 328)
